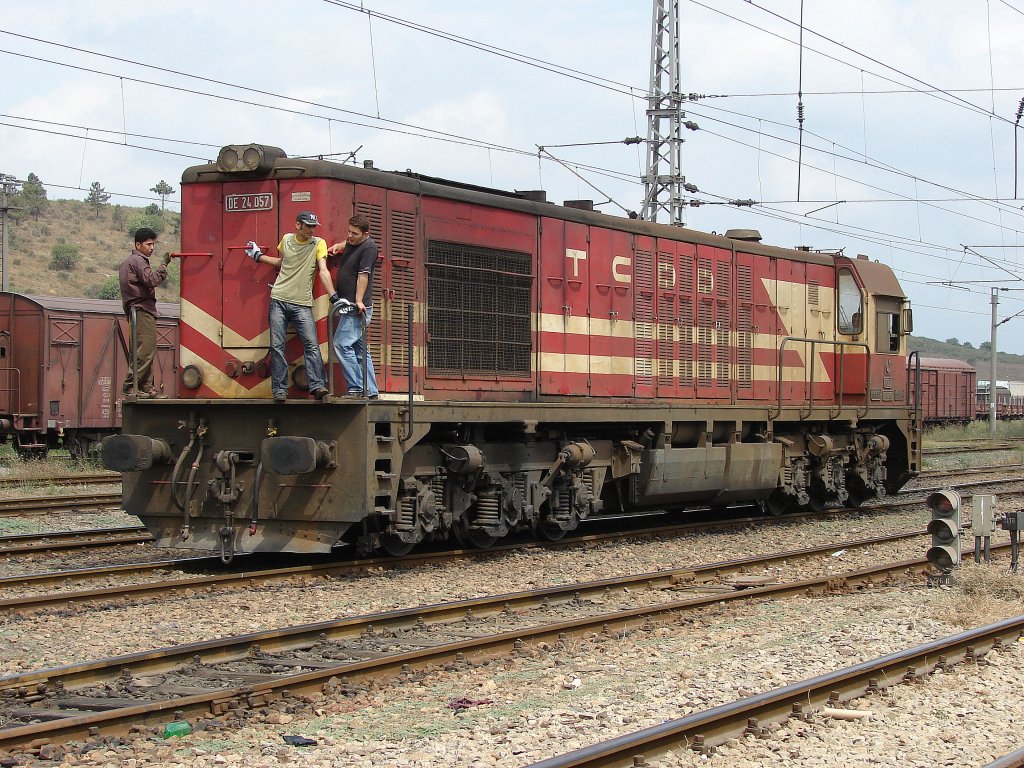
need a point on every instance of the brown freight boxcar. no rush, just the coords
(62, 361)
(947, 391)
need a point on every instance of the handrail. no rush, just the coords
(332, 356)
(914, 364)
(809, 380)
(133, 359)
(14, 389)
(409, 368)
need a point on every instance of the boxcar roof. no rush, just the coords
(945, 363)
(101, 306)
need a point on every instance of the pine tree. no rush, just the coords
(33, 196)
(163, 189)
(97, 197)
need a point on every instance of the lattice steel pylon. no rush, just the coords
(663, 183)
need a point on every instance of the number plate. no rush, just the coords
(260, 201)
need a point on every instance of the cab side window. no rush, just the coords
(851, 304)
(888, 336)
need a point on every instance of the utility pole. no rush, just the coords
(663, 183)
(992, 382)
(7, 186)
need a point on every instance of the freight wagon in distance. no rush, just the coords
(62, 361)
(947, 391)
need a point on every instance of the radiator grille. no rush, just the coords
(644, 271)
(478, 317)
(744, 328)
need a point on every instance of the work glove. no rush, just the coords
(344, 306)
(253, 251)
(166, 259)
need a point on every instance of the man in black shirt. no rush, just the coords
(354, 282)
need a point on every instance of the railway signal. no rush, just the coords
(944, 529)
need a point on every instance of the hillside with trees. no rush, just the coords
(74, 247)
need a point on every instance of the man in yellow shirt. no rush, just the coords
(301, 255)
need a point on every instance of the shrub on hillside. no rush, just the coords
(110, 288)
(156, 223)
(64, 257)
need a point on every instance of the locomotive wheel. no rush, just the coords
(856, 498)
(468, 537)
(79, 447)
(550, 531)
(776, 505)
(394, 546)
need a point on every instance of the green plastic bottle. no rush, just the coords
(177, 728)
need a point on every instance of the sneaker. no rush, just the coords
(373, 397)
(321, 393)
(154, 395)
(280, 398)
(354, 393)
(139, 395)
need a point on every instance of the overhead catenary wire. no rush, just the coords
(630, 175)
(470, 141)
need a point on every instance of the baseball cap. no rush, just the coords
(309, 218)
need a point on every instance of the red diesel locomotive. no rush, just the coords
(539, 365)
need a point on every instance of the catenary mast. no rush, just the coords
(663, 183)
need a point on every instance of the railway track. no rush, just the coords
(98, 478)
(211, 576)
(1009, 445)
(222, 677)
(971, 470)
(36, 505)
(36, 543)
(704, 731)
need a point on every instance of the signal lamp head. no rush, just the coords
(944, 529)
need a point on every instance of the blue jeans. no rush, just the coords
(282, 313)
(349, 347)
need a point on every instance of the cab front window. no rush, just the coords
(851, 304)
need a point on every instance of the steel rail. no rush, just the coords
(487, 644)
(1012, 760)
(703, 731)
(210, 582)
(1005, 446)
(30, 505)
(104, 478)
(25, 543)
(969, 470)
(81, 574)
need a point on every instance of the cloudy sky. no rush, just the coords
(907, 149)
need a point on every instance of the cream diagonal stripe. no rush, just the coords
(244, 349)
(220, 382)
